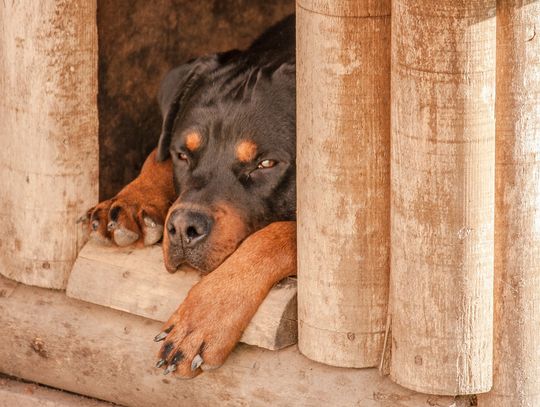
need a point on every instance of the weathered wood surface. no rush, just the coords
(49, 338)
(49, 136)
(443, 177)
(135, 280)
(343, 113)
(516, 373)
(15, 393)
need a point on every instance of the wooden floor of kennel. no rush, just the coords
(418, 204)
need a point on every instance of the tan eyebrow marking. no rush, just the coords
(193, 141)
(246, 151)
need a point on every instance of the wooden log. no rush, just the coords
(135, 281)
(48, 123)
(20, 394)
(343, 122)
(443, 176)
(49, 338)
(516, 376)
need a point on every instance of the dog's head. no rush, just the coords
(230, 132)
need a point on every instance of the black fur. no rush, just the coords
(227, 98)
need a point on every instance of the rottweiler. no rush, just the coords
(220, 188)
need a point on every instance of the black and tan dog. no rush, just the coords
(221, 186)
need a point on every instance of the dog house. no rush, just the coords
(418, 171)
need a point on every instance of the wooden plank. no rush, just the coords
(516, 364)
(20, 394)
(343, 164)
(109, 355)
(135, 281)
(443, 178)
(49, 130)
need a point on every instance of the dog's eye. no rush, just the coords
(182, 156)
(266, 164)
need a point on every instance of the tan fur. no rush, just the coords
(219, 308)
(150, 194)
(193, 141)
(246, 151)
(228, 231)
(216, 311)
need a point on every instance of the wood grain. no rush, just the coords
(49, 133)
(343, 164)
(21, 394)
(443, 177)
(109, 355)
(135, 281)
(516, 376)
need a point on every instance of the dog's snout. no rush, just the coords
(189, 227)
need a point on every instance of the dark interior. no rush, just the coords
(139, 41)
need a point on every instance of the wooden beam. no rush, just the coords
(107, 354)
(443, 178)
(343, 172)
(21, 394)
(516, 373)
(135, 281)
(49, 130)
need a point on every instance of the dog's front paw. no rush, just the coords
(206, 327)
(127, 219)
(137, 213)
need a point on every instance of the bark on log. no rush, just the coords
(48, 127)
(343, 111)
(516, 376)
(49, 338)
(443, 177)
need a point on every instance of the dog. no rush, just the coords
(220, 190)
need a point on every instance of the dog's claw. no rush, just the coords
(153, 231)
(197, 362)
(149, 222)
(171, 368)
(160, 363)
(160, 336)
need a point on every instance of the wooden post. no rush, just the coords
(48, 127)
(516, 377)
(443, 176)
(343, 94)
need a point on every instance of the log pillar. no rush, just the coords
(442, 210)
(48, 128)
(516, 376)
(343, 138)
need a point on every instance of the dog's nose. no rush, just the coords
(190, 227)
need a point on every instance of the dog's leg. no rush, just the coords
(208, 324)
(137, 213)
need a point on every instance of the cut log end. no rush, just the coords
(135, 281)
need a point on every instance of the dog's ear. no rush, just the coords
(285, 76)
(275, 80)
(174, 94)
